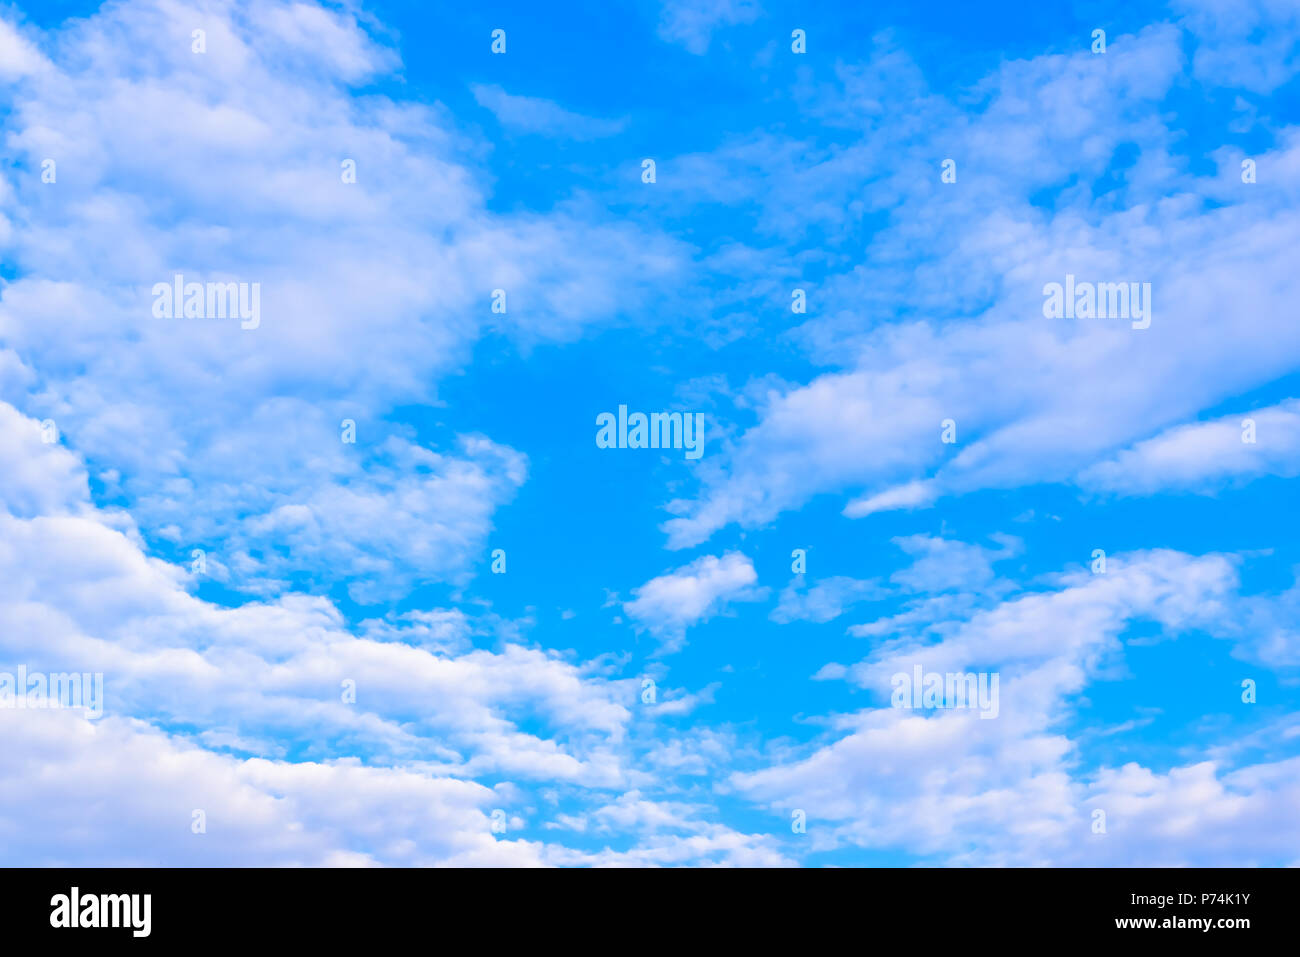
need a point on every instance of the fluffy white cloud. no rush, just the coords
(1202, 455)
(40, 475)
(17, 56)
(258, 683)
(147, 786)
(226, 166)
(671, 603)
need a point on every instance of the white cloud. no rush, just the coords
(1202, 455)
(909, 495)
(826, 599)
(942, 564)
(530, 114)
(676, 833)
(262, 679)
(692, 23)
(956, 788)
(227, 165)
(258, 813)
(1251, 45)
(1200, 815)
(17, 56)
(671, 603)
(913, 340)
(80, 594)
(39, 477)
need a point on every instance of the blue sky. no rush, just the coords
(520, 694)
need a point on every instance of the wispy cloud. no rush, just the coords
(692, 23)
(530, 114)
